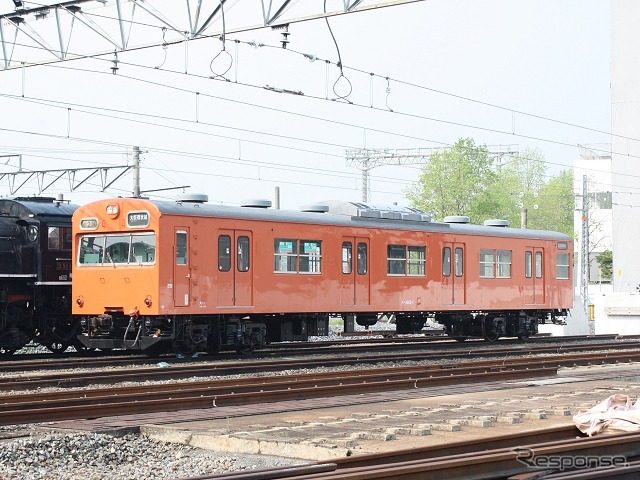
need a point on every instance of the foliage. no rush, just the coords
(605, 262)
(465, 180)
(455, 181)
(556, 205)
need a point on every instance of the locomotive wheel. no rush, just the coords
(57, 347)
(81, 348)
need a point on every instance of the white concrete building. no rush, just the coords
(617, 308)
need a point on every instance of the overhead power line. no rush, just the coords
(119, 22)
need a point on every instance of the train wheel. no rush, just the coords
(245, 349)
(460, 339)
(491, 335)
(81, 348)
(524, 337)
(57, 347)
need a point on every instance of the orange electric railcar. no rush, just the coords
(187, 275)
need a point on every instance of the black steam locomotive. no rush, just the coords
(35, 274)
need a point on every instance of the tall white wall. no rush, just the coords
(625, 122)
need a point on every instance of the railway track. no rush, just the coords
(104, 402)
(519, 456)
(45, 407)
(564, 355)
(364, 352)
(20, 361)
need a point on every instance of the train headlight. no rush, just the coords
(32, 233)
(113, 210)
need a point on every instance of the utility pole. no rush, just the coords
(136, 172)
(584, 248)
(524, 217)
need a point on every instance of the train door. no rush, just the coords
(453, 274)
(235, 277)
(534, 276)
(182, 268)
(355, 280)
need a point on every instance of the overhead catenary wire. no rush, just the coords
(387, 79)
(337, 122)
(426, 118)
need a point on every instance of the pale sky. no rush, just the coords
(530, 73)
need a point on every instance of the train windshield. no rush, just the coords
(123, 249)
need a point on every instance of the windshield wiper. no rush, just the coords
(110, 259)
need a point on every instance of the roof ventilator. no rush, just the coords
(256, 203)
(495, 222)
(192, 198)
(457, 219)
(315, 208)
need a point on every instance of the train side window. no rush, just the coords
(538, 264)
(66, 238)
(562, 266)
(181, 248)
(54, 238)
(416, 261)
(527, 264)
(396, 259)
(459, 262)
(362, 258)
(503, 263)
(347, 254)
(487, 263)
(224, 253)
(243, 253)
(285, 255)
(446, 262)
(310, 256)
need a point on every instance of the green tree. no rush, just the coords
(556, 204)
(518, 185)
(455, 181)
(464, 180)
(605, 262)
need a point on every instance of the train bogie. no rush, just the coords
(185, 276)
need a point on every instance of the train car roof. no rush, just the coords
(36, 206)
(342, 213)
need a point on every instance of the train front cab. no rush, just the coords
(116, 275)
(151, 279)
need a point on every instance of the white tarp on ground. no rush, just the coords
(614, 415)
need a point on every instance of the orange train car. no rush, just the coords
(189, 276)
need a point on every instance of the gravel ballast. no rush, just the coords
(92, 456)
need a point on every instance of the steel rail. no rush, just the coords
(176, 371)
(418, 375)
(480, 460)
(432, 346)
(262, 393)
